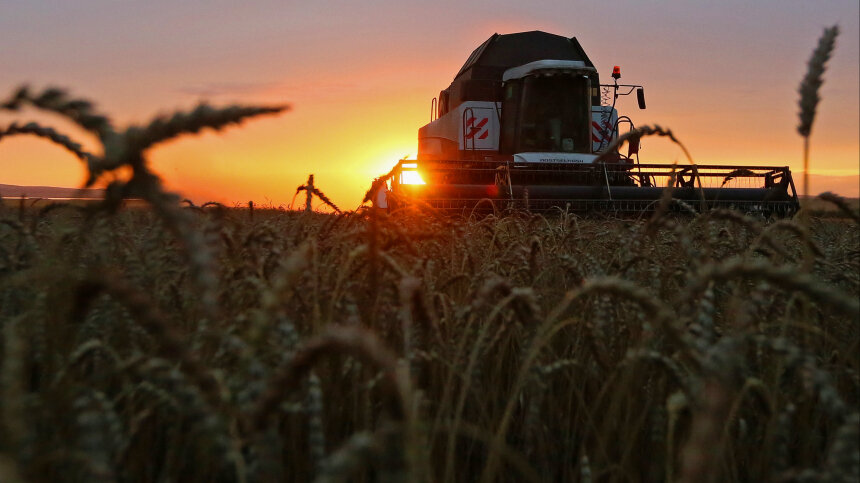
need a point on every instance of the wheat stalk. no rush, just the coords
(311, 191)
(809, 97)
(316, 428)
(699, 457)
(12, 384)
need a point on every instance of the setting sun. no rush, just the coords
(410, 174)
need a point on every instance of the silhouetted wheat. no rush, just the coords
(809, 97)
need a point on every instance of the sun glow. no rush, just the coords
(411, 177)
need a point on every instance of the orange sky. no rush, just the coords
(360, 79)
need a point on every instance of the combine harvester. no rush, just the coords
(527, 124)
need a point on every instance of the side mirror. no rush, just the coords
(640, 96)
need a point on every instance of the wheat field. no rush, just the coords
(409, 347)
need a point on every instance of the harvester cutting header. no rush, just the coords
(527, 123)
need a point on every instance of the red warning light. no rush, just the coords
(616, 72)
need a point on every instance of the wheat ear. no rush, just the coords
(634, 135)
(203, 116)
(49, 134)
(841, 204)
(146, 314)
(377, 183)
(52, 99)
(127, 148)
(809, 98)
(310, 189)
(353, 341)
(786, 277)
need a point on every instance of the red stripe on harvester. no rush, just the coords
(476, 129)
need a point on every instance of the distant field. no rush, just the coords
(42, 196)
(45, 202)
(14, 191)
(819, 206)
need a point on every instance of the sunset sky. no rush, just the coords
(360, 76)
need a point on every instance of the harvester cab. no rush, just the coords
(522, 124)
